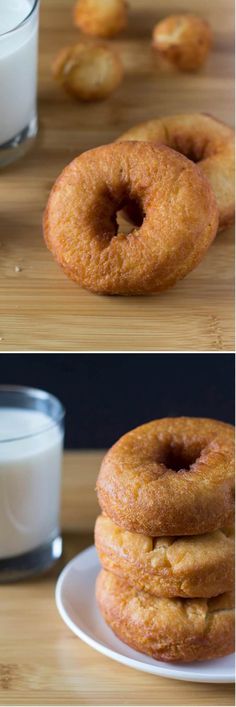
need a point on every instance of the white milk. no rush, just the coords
(18, 67)
(29, 480)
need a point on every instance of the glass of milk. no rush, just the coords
(18, 76)
(31, 444)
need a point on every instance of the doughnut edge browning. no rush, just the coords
(167, 629)
(143, 495)
(195, 566)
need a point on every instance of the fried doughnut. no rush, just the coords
(167, 629)
(194, 566)
(180, 221)
(173, 476)
(104, 18)
(206, 141)
(184, 40)
(88, 71)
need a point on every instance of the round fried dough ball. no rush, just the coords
(184, 40)
(102, 18)
(89, 72)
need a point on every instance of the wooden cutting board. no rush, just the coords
(43, 663)
(39, 307)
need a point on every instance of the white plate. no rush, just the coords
(75, 599)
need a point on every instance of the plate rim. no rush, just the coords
(109, 652)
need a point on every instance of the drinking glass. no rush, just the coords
(31, 445)
(19, 21)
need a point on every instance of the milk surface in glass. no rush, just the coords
(18, 67)
(30, 469)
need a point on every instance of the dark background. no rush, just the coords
(105, 395)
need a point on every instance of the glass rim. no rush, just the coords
(22, 22)
(39, 394)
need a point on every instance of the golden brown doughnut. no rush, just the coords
(173, 476)
(206, 141)
(88, 71)
(167, 629)
(104, 18)
(184, 40)
(180, 222)
(193, 566)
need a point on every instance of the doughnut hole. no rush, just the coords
(103, 18)
(183, 40)
(87, 71)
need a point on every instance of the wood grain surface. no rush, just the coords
(40, 309)
(42, 662)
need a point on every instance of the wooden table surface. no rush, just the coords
(43, 663)
(40, 309)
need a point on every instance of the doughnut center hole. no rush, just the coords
(130, 214)
(194, 150)
(123, 225)
(192, 156)
(177, 458)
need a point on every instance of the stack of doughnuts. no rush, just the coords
(165, 539)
